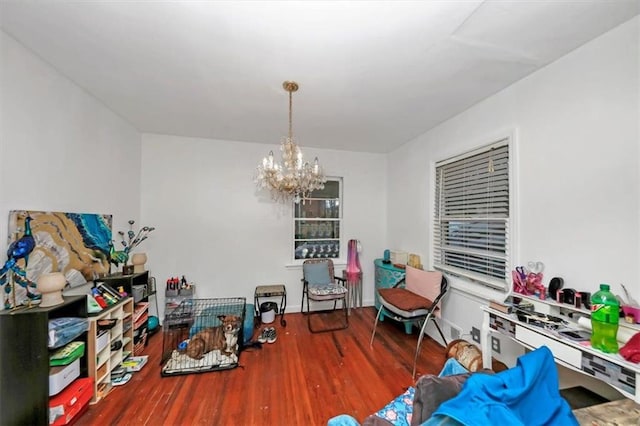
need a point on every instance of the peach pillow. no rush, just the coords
(424, 283)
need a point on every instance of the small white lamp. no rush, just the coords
(50, 286)
(138, 260)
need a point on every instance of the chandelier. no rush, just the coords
(293, 179)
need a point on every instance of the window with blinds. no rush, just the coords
(471, 227)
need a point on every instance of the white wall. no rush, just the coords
(577, 131)
(578, 188)
(213, 227)
(60, 149)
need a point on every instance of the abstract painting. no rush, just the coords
(76, 244)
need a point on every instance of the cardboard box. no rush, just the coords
(400, 257)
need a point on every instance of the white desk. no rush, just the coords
(610, 368)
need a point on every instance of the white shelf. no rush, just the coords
(115, 334)
(116, 358)
(107, 388)
(104, 376)
(566, 352)
(103, 356)
(623, 323)
(117, 314)
(553, 304)
(102, 361)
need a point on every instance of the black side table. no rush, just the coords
(271, 291)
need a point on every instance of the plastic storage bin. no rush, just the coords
(60, 377)
(67, 354)
(138, 292)
(67, 406)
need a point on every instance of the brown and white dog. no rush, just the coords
(222, 337)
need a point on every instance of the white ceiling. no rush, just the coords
(372, 74)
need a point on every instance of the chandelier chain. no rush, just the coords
(290, 115)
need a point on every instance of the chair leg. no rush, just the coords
(375, 324)
(309, 315)
(422, 330)
(345, 308)
(440, 331)
(302, 303)
(342, 327)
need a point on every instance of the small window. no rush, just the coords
(317, 223)
(472, 207)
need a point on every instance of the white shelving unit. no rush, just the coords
(101, 358)
(551, 307)
(612, 369)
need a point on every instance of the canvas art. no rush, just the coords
(76, 244)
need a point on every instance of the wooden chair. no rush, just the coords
(321, 285)
(416, 298)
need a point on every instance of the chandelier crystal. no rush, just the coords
(293, 179)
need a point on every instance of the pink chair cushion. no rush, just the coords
(424, 283)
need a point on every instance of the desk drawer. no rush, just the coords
(560, 351)
(502, 325)
(616, 375)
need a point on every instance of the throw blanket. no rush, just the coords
(526, 394)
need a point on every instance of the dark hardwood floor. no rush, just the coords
(301, 379)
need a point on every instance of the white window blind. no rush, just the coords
(471, 227)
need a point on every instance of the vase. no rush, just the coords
(138, 260)
(50, 286)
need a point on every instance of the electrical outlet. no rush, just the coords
(475, 334)
(495, 344)
(454, 332)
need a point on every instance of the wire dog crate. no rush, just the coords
(202, 335)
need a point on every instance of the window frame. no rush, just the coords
(339, 219)
(502, 284)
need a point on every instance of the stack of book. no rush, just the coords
(139, 311)
(500, 306)
(140, 326)
(123, 373)
(511, 305)
(134, 363)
